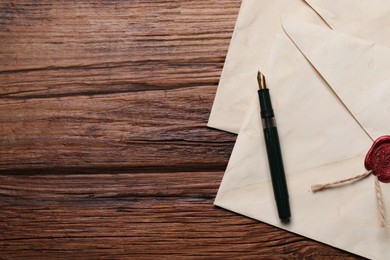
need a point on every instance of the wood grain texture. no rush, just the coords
(122, 215)
(88, 85)
(104, 149)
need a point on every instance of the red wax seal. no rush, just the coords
(378, 159)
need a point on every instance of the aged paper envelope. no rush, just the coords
(369, 19)
(321, 142)
(257, 23)
(358, 72)
(252, 38)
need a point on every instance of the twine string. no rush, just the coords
(319, 187)
(380, 202)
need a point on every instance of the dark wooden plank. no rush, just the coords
(62, 48)
(138, 130)
(138, 215)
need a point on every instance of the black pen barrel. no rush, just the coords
(274, 155)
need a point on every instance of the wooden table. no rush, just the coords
(104, 149)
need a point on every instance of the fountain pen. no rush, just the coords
(274, 153)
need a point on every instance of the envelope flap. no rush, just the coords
(368, 19)
(357, 70)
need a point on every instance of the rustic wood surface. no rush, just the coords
(104, 149)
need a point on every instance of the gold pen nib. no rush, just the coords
(261, 80)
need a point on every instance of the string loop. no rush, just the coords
(319, 187)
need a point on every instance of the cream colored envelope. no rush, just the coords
(321, 140)
(368, 19)
(358, 72)
(257, 23)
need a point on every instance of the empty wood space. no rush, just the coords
(104, 149)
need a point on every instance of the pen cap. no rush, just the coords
(265, 103)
